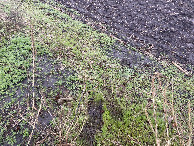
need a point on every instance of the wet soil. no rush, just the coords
(164, 29)
(49, 73)
(94, 123)
(131, 58)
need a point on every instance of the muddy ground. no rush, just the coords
(160, 28)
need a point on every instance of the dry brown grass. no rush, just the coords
(171, 116)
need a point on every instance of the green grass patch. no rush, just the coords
(134, 101)
(15, 58)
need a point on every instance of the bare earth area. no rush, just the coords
(160, 28)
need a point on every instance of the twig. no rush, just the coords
(180, 68)
(165, 114)
(60, 126)
(41, 141)
(174, 116)
(154, 109)
(33, 58)
(27, 121)
(146, 113)
(190, 124)
(116, 38)
(35, 121)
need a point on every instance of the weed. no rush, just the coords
(14, 62)
(131, 115)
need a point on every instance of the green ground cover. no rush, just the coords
(139, 106)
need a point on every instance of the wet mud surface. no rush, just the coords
(164, 29)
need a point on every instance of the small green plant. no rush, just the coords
(26, 133)
(14, 59)
(130, 116)
(11, 139)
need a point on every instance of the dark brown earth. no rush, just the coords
(48, 74)
(94, 123)
(163, 28)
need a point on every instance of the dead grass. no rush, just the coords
(171, 116)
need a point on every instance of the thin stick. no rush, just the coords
(146, 113)
(174, 115)
(190, 124)
(27, 121)
(33, 58)
(60, 125)
(41, 141)
(165, 114)
(35, 121)
(180, 68)
(154, 109)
